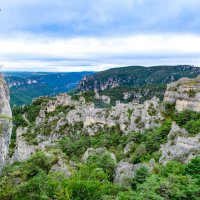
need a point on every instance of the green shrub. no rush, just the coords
(141, 174)
(191, 93)
(193, 127)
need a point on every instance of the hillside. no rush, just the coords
(32, 84)
(63, 147)
(136, 82)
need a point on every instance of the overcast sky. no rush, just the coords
(79, 35)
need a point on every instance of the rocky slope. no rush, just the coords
(142, 132)
(136, 83)
(5, 121)
(80, 116)
(180, 145)
(67, 148)
(185, 94)
(64, 116)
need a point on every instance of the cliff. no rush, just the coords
(5, 121)
(136, 83)
(185, 94)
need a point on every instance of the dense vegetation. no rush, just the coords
(24, 116)
(34, 180)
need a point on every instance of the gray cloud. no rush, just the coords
(71, 18)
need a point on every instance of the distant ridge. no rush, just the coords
(136, 82)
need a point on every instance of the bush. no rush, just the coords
(141, 174)
(193, 127)
(105, 162)
(193, 168)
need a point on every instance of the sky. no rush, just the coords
(94, 35)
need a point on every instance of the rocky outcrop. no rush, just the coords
(105, 99)
(136, 76)
(23, 150)
(5, 121)
(125, 172)
(61, 167)
(84, 84)
(85, 117)
(146, 116)
(180, 146)
(93, 151)
(128, 147)
(185, 94)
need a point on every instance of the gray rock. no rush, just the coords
(61, 167)
(128, 147)
(23, 150)
(185, 93)
(5, 121)
(125, 172)
(180, 146)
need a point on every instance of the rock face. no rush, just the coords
(136, 76)
(5, 121)
(89, 119)
(125, 172)
(77, 116)
(105, 99)
(23, 150)
(180, 146)
(185, 93)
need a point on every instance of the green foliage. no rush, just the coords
(185, 116)
(146, 82)
(172, 187)
(59, 109)
(193, 169)
(193, 127)
(187, 119)
(148, 144)
(48, 84)
(73, 147)
(1, 129)
(191, 93)
(110, 137)
(33, 180)
(105, 162)
(141, 174)
(169, 109)
(167, 182)
(151, 110)
(172, 167)
(130, 112)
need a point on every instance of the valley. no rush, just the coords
(86, 145)
(36, 84)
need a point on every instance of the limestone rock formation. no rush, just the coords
(89, 119)
(105, 99)
(128, 147)
(125, 172)
(23, 150)
(180, 146)
(5, 121)
(185, 93)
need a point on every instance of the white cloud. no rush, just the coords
(84, 53)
